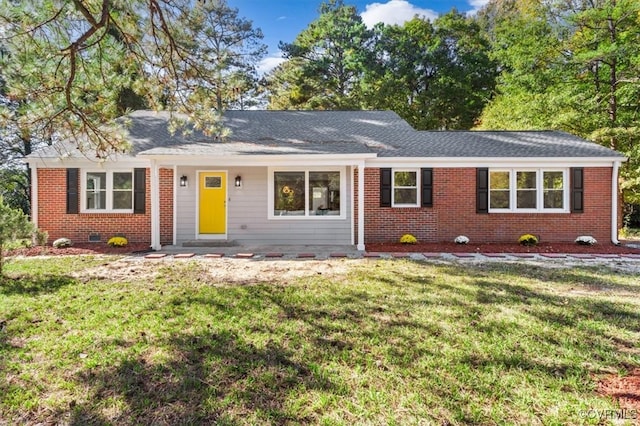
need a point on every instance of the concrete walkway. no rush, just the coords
(348, 251)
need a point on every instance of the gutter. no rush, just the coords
(614, 203)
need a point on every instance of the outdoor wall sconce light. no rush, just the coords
(238, 181)
(183, 181)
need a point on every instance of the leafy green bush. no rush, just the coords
(14, 224)
(41, 237)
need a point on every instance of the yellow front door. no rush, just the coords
(213, 209)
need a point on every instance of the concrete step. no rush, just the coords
(209, 243)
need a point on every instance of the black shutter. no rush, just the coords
(577, 190)
(139, 190)
(73, 180)
(385, 187)
(427, 187)
(482, 190)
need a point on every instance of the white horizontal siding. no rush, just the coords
(247, 214)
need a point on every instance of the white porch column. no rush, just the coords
(175, 204)
(360, 245)
(614, 203)
(155, 206)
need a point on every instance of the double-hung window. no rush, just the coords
(306, 193)
(405, 188)
(528, 190)
(108, 191)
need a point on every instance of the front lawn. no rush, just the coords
(390, 342)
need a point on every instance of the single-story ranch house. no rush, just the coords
(327, 177)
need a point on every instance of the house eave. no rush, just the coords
(83, 162)
(260, 160)
(462, 162)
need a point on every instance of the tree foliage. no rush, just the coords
(435, 75)
(78, 62)
(570, 65)
(325, 64)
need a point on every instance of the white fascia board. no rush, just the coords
(452, 162)
(54, 163)
(262, 160)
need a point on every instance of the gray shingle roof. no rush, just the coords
(272, 132)
(498, 144)
(344, 132)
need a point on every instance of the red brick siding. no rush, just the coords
(454, 213)
(166, 206)
(53, 218)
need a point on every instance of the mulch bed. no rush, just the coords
(443, 247)
(447, 247)
(89, 248)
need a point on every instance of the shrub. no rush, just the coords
(62, 243)
(528, 240)
(14, 224)
(586, 240)
(408, 239)
(41, 237)
(461, 239)
(117, 242)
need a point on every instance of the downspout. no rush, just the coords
(614, 203)
(34, 194)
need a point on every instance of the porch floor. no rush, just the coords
(289, 250)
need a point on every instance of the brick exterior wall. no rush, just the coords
(454, 213)
(53, 218)
(166, 206)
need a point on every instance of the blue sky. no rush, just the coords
(283, 20)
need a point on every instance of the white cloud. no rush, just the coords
(394, 12)
(476, 6)
(269, 63)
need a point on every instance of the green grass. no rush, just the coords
(392, 342)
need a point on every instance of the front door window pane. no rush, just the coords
(289, 193)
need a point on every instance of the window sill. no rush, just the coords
(529, 211)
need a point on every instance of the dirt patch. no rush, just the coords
(624, 389)
(224, 270)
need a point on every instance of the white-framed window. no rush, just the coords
(405, 188)
(528, 190)
(107, 191)
(307, 193)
